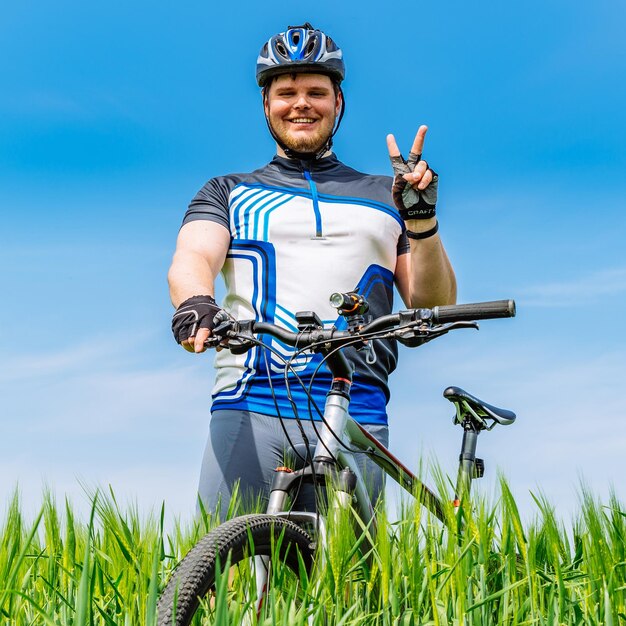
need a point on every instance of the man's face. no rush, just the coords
(302, 109)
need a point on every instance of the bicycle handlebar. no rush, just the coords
(412, 328)
(475, 311)
(428, 321)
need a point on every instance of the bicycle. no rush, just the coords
(252, 539)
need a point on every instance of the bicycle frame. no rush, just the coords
(338, 435)
(340, 439)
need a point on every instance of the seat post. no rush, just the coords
(467, 461)
(473, 415)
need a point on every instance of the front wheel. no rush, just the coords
(245, 543)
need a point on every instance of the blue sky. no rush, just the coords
(112, 117)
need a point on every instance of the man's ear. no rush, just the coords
(338, 102)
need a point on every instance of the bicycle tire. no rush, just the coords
(195, 575)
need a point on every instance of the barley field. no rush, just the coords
(108, 570)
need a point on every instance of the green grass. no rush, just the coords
(108, 570)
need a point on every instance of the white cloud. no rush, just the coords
(93, 411)
(76, 357)
(570, 417)
(81, 106)
(584, 289)
(142, 428)
(146, 484)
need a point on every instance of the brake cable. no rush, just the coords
(311, 403)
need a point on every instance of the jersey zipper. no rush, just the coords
(316, 206)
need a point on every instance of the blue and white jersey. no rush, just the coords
(300, 232)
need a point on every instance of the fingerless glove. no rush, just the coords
(413, 204)
(194, 313)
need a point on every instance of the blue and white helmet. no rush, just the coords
(300, 49)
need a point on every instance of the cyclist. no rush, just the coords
(284, 237)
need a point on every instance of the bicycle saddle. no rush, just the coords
(483, 410)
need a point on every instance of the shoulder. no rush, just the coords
(348, 181)
(219, 187)
(224, 185)
(347, 167)
(374, 178)
(212, 200)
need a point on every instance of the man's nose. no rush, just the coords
(302, 102)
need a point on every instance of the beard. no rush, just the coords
(304, 142)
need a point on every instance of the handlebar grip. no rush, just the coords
(475, 311)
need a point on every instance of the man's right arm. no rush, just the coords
(200, 254)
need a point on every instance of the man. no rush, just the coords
(284, 238)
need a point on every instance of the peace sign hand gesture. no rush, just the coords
(414, 188)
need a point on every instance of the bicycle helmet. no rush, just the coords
(300, 49)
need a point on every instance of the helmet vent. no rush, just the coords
(305, 26)
(300, 49)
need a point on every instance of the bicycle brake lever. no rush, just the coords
(409, 339)
(240, 337)
(420, 333)
(212, 342)
(456, 325)
(220, 333)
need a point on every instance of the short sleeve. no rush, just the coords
(211, 203)
(403, 243)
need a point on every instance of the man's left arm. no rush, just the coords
(424, 276)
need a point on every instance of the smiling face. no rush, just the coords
(302, 109)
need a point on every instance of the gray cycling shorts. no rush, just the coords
(247, 447)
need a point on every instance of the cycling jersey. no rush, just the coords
(300, 231)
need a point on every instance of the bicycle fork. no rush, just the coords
(332, 466)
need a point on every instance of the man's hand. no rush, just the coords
(193, 322)
(414, 188)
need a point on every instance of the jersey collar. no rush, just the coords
(296, 166)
